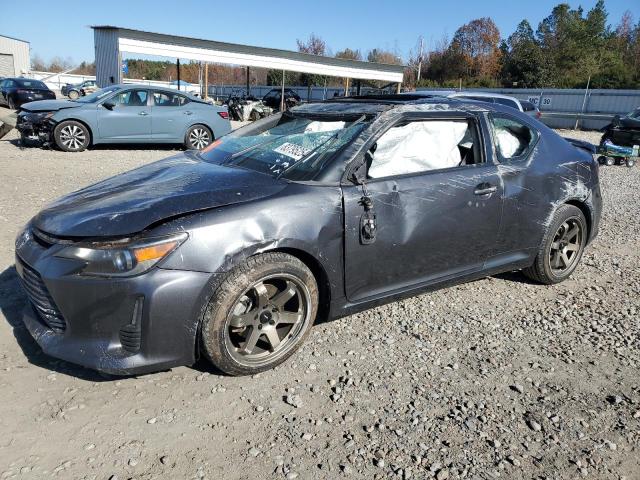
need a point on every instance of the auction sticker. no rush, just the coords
(292, 150)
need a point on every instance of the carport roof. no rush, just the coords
(173, 46)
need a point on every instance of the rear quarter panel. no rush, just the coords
(555, 173)
(208, 115)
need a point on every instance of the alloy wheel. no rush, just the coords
(267, 319)
(199, 138)
(566, 245)
(72, 137)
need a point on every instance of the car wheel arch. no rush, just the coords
(311, 262)
(86, 125)
(586, 211)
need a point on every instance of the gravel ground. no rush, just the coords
(498, 378)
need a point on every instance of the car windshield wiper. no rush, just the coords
(326, 144)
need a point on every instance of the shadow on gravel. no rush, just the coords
(12, 302)
(169, 147)
(517, 277)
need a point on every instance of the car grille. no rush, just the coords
(41, 299)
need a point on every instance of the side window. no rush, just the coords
(513, 139)
(508, 102)
(166, 99)
(131, 98)
(421, 146)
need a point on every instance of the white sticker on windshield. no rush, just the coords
(292, 150)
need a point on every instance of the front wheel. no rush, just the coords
(260, 314)
(198, 137)
(71, 136)
(561, 248)
(74, 94)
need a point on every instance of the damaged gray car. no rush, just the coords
(328, 209)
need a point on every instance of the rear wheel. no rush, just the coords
(630, 162)
(561, 248)
(71, 136)
(198, 137)
(260, 314)
(74, 94)
(610, 161)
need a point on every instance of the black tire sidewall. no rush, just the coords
(565, 213)
(214, 323)
(58, 129)
(188, 144)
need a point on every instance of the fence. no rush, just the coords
(560, 108)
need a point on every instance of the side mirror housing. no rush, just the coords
(108, 105)
(359, 173)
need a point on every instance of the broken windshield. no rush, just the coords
(296, 148)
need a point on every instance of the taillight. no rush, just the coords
(538, 114)
(22, 91)
(224, 114)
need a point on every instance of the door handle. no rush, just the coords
(143, 113)
(188, 112)
(485, 189)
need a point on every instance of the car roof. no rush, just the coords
(154, 87)
(464, 93)
(376, 104)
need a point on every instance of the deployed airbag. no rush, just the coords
(418, 147)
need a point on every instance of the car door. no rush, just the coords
(435, 217)
(171, 115)
(125, 116)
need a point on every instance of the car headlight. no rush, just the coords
(122, 259)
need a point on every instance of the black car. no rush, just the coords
(318, 212)
(623, 131)
(273, 96)
(16, 91)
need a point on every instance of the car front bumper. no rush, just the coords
(120, 326)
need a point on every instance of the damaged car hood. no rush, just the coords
(50, 105)
(130, 202)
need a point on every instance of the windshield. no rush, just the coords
(31, 84)
(97, 95)
(296, 148)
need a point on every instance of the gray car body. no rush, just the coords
(136, 124)
(433, 231)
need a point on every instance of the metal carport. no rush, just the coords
(111, 42)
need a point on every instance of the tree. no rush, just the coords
(522, 59)
(478, 42)
(349, 54)
(314, 46)
(383, 56)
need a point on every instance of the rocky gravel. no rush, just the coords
(498, 378)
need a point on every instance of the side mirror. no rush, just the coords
(108, 105)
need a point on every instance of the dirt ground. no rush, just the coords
(499, 378)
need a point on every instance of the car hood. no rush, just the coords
(130, 202)
(49, 105)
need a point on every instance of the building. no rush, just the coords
(15, 57)
(111, 42)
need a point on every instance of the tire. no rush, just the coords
(11, 104)
(610, 161)
(198, 137)
(602, 159)
(547, 268)
(271, 293)
(630, 162)
(74, 94)
(71, 136)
